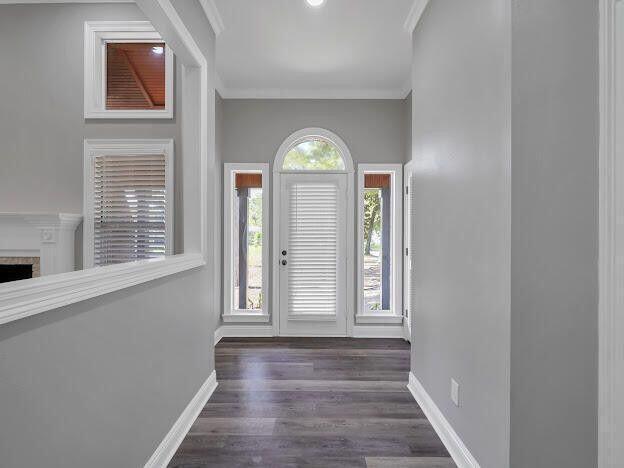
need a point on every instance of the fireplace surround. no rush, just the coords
(43, 240)
(23, 268)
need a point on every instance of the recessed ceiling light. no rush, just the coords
(315, 3)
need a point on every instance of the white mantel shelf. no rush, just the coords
(49, 236)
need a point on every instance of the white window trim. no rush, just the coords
(94, 148)
(395, 314)
(21, 299)
(96, 35)
(244, 315)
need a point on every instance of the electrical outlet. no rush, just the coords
(455, 392)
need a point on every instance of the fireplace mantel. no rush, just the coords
(49, 236)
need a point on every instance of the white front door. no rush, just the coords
(313, 254)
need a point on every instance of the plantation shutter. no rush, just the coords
(313, 249)
(130, 208)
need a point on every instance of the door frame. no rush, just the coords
(611, 256)
(406, 254)
(290, 142)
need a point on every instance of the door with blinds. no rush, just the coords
(313, 254)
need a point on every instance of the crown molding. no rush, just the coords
(413, 17)
(279, 93)
(213, 15)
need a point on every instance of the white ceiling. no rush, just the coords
(285, 48)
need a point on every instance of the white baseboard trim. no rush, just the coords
(167, 448)
(242, 331)
(453, 443)
(218, 335)
(406, 333)
(255, 331)
(378, 331)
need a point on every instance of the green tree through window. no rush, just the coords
(314, 154)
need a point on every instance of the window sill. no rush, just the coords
(21, 299)
(380, 318)
(245, 317)
(128, 114)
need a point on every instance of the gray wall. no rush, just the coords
(554, 273)
(253, 130)
(100, 383)
(461, 147)
(373, 130)
(42, 123)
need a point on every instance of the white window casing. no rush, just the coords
(393, 315)
(128, 200)
(96, 35)
(231, 314)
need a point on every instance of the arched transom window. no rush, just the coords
(314, 154)
(314, 149)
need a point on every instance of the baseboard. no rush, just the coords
(453, 443)
(167, 448)
(254, 331)
(218, 334)
(242, 331)
(378, 331)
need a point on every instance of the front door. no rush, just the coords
(313, 254)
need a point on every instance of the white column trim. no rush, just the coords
(611, 360)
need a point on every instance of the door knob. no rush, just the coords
(284, 262)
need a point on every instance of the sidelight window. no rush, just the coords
(380, 241)
(246, 251)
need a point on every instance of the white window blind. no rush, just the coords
(129, 207)
(313, 249)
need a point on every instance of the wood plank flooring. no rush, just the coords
(314, 403)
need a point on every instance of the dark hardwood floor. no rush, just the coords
(312, 402)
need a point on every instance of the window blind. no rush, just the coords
(312, 249)
(130, 208)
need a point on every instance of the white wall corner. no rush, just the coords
(414, 15)
(451, 440)
(169, 445)
(213, 15)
